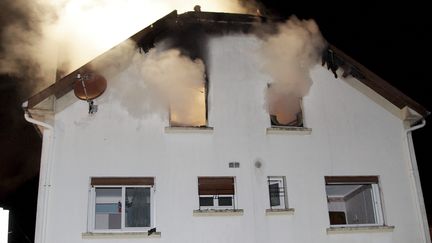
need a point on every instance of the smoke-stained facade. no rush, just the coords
(144, 165)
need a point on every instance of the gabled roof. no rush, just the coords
(209, 22)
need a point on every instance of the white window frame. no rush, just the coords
(281, 181)
(376, 201)
(216, 197)
(92, 210)
(216, 202)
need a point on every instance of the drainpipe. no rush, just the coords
(415, 181)
(44, 175)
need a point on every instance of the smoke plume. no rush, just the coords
(39, 36)
(288, 56)
(155, 82)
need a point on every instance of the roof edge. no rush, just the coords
(332, 57)
(335, 59)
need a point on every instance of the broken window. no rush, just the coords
(122, 203)
(277, 192)
(190, 109)
(353, 200)
(285, 108)
(216, 193)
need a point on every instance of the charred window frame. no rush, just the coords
(298, 122)
(216, 193)
(354, 201)
(120, 204)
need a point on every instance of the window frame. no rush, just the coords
(91, 222)
(216, 196)
(216, 202)
(376, 197)
(281, 181)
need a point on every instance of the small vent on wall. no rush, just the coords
(234, 164)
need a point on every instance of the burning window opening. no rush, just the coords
(285, 110)
(193, 115)
(296, 122)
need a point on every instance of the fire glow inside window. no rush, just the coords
(284, 110)
(190, 109)
(354, 201)
(216, 193)
(122, 204)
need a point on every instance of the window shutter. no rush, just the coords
(111, 181)
(351, 179)
(216, 185)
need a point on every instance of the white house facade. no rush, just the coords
(347, 173)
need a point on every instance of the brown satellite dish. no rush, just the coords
(89, 86)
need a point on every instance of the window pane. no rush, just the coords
(108, 208)
(137, 207)
(225, 201)
(206, 201)
(351, 204)
(274, 195)
(360, 208)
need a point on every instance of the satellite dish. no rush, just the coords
(89, 86)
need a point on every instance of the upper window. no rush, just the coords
(285, 110)
(354, 200)
(122, 203)
(216, 193)
(191, 109)
(277, 192)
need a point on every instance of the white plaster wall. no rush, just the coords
(351, 135)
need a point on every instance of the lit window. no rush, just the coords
(190, 110)
(122, 203)
(353, 201)
(216, 193)
(285, 110)
(277, 192)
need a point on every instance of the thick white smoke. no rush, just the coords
(156, 82)
(288, 56)
(50, 34)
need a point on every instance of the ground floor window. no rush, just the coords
(216, 193)
(354, 200)
(122, 203)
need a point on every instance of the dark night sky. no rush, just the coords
(392, 40)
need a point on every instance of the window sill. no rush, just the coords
(359, 229)
(285, 211)
(218, 212)
(188, 129)
(119, 235)
(289, 130)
